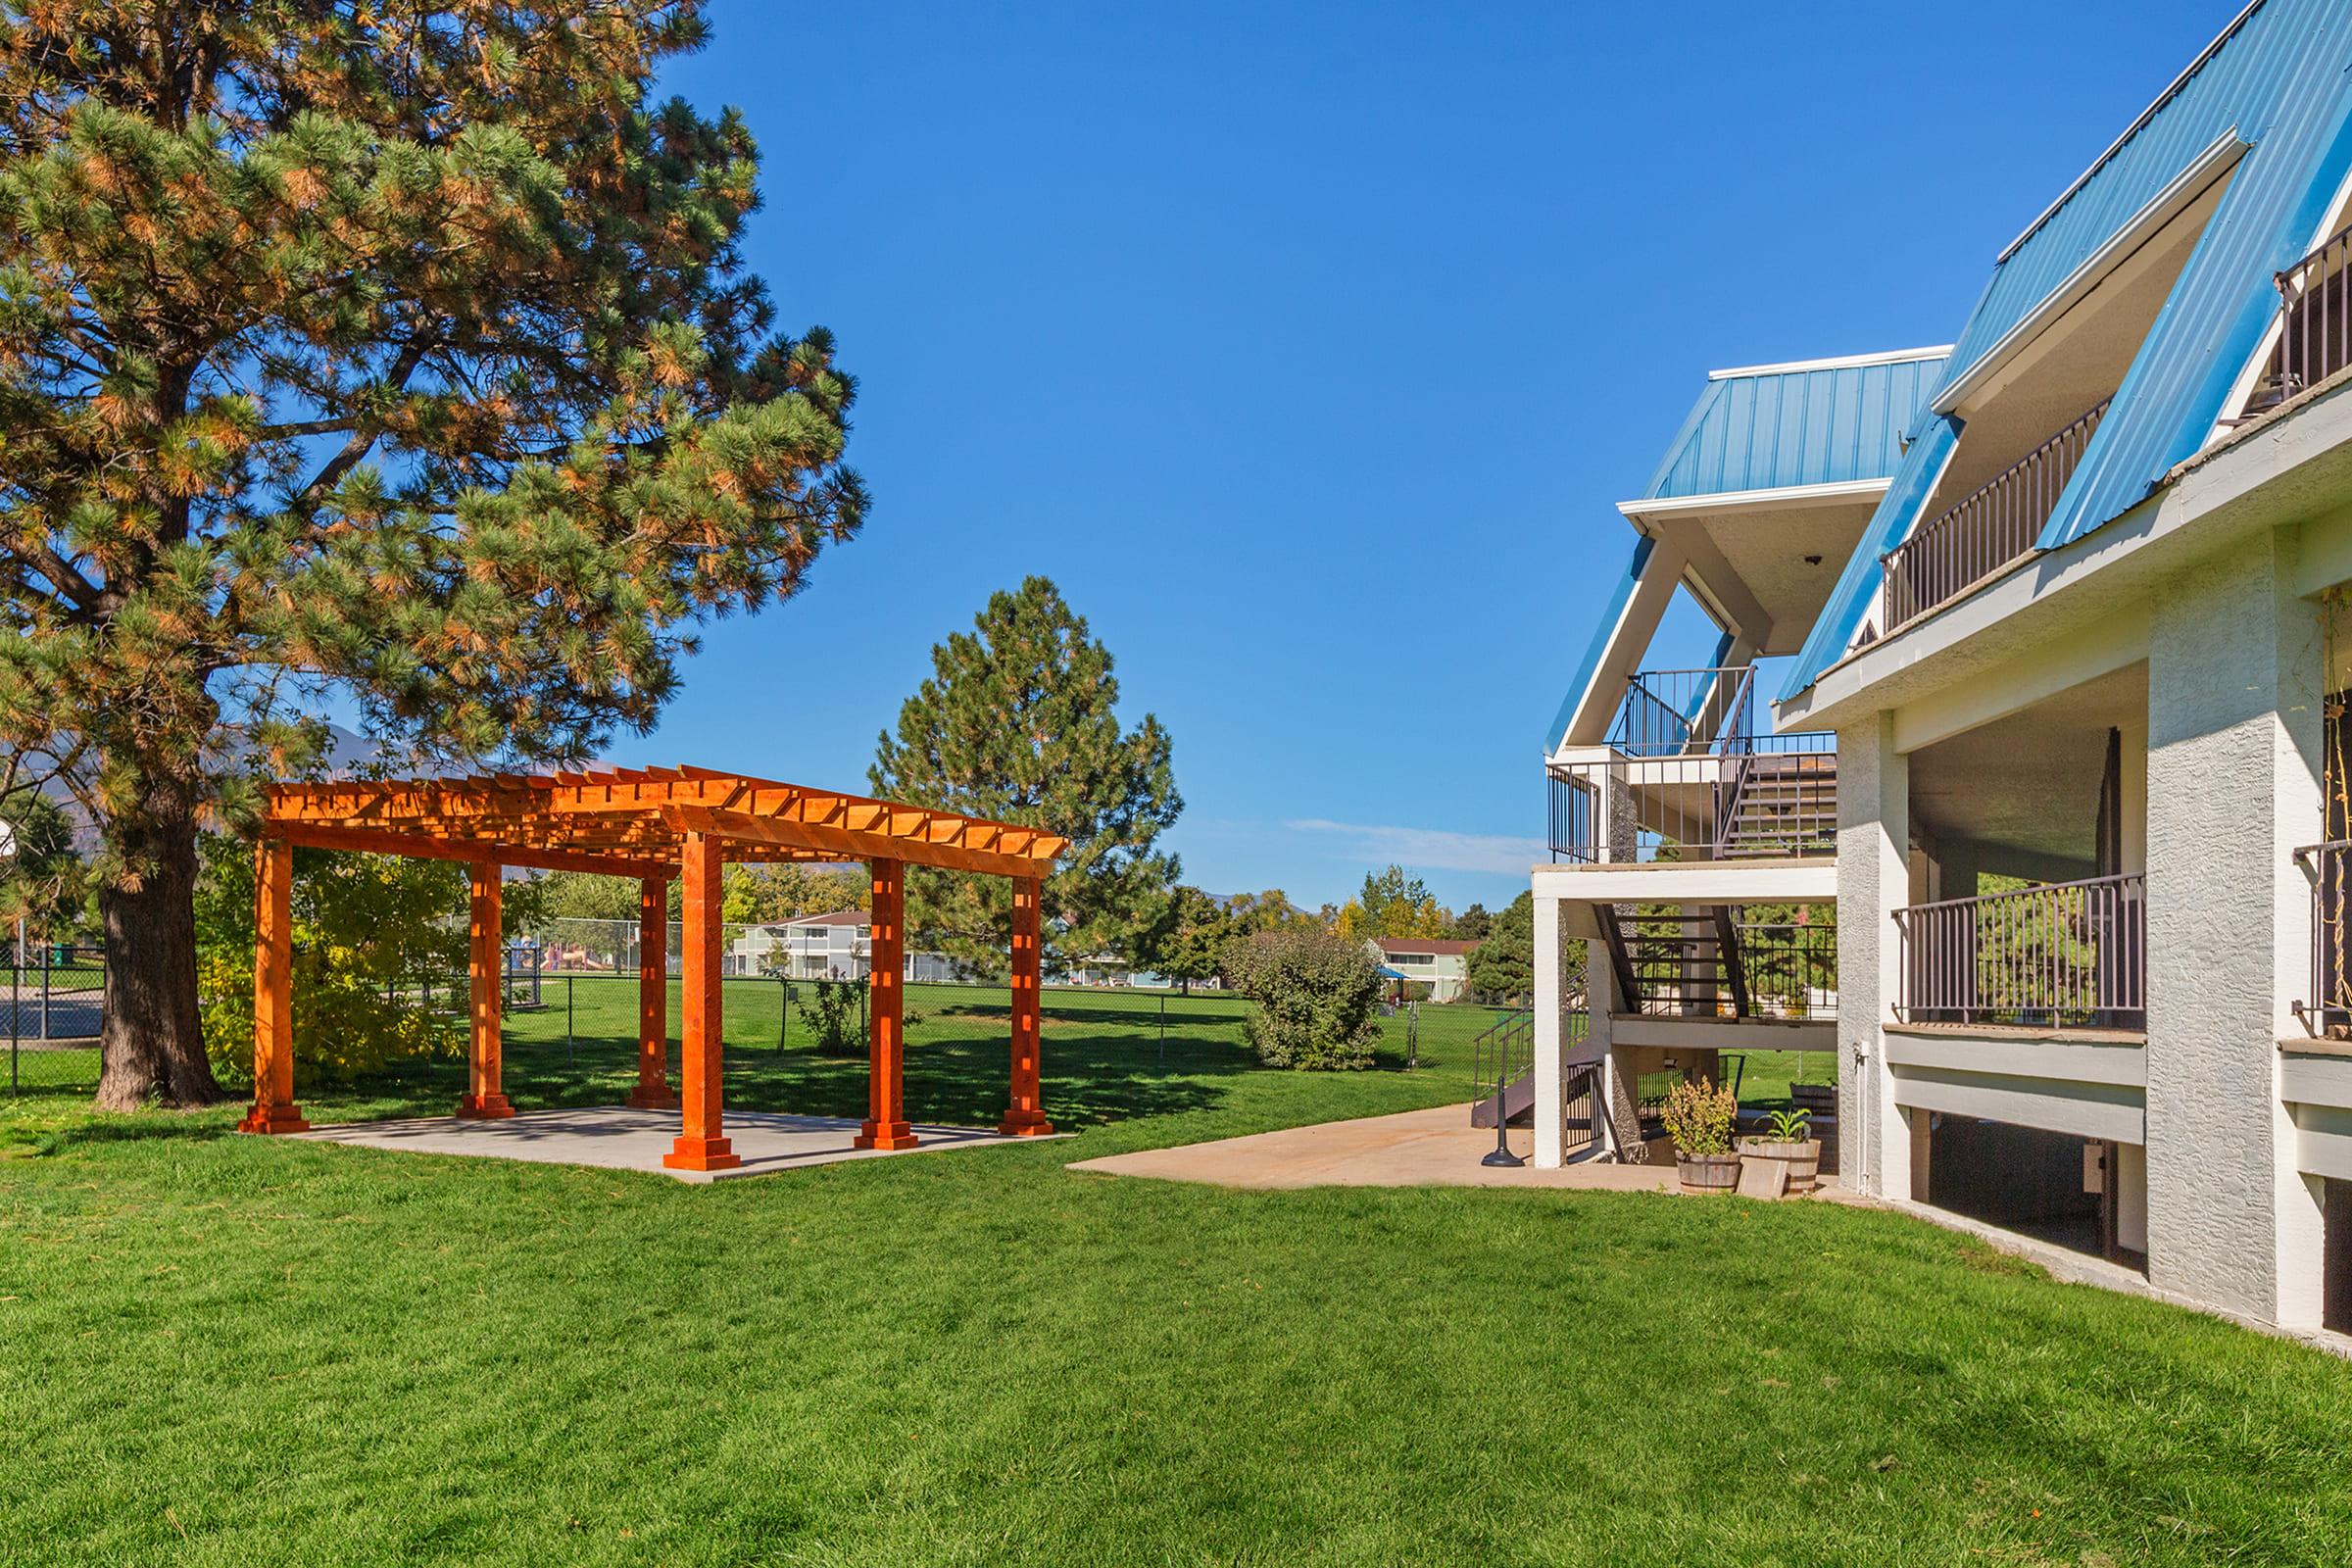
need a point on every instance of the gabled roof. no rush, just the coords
(2273, 81)
(1809, 422)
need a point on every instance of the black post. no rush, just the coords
(784, 1012)
(1502, 1154)
(16, 1001)
(1163, 1028)
(567, 984)
(48, 959)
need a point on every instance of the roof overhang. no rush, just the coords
(1780, 498)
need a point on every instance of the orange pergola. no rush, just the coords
(652, 824)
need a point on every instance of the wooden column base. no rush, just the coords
(654, 1096)
(885, 1135)
(1024, 1124)
(702, 1153)
(285, 1118)
(484, 1107)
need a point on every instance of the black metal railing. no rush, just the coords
(1702, 963)
(1990, 527)
(2326, 1009)
(1776, 797)
(1669, 712)
(2315, 324)
(2061, 956)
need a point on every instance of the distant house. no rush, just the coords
(826, 947)
(1443, 966)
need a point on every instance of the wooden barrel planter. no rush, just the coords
(1707, 1173)
(1803, 1159)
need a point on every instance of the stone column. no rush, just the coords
(2236, 678)
(1874, 880)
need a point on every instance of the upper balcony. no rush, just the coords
(2314, 331)
(1685, 776)
(1989, 530)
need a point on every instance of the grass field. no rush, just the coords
(220, 1350)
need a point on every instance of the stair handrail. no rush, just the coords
(1737, 747)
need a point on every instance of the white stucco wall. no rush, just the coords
(2234, 672)
(1874, 879)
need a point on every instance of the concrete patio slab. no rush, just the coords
(620, 1138)
(1437, 1148)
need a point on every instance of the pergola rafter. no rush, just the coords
(652, 824)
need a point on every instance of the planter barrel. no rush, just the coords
(1803, 1159)
(1707, 1173)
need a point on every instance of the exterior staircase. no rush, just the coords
(1778, 806)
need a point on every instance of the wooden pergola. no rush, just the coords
(652, 824)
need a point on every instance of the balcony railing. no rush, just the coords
(2315, 325)
(1706, 963)
(2326, 1011)
(1993, 526)
(1685, 776)
(2065, 955)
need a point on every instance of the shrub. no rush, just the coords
(1318, 998)
(833, 1014)
(369, 932)
(1700, 1116)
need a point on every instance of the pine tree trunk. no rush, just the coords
(151, 1045)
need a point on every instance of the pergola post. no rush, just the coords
(652, 1091)
(274, 1109)
(485, 954)
(886, 1044)
(1025, 1116)
(701, 1142)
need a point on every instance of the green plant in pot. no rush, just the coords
(1787, 1137)
(1698, 1117)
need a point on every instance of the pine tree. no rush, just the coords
(1017, 724)
(401, 352)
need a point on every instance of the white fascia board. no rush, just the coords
(2021, 1054)
(1812, 881)
(2143, 225)
(2052, 1104)
(1793, 495)
(1724, 1034)
(2230, 489)
(1844, 362)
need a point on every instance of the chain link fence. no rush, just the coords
(56, 996)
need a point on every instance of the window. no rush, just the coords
(1412, 957)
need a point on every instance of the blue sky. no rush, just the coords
(1307, 348)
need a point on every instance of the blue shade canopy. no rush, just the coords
(1826, 421)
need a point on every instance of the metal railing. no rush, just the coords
(2327, 1009)
(2315, 324)
(56, 1001)
(1776, 797)
(1777, 970)
(2061, 956)
(1993, 526)
(1667, 712)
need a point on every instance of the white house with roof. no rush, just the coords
(1441, 964)
(2016, 783)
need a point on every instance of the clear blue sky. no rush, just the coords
(1307, 347)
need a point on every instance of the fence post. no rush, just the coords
(784, 1010)
(16, 1001)
(48, 958)
(1163, 1028)
(567, 983)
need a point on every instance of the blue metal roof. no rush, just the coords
(2276, 78)
(1619, 597)
(1815, 423)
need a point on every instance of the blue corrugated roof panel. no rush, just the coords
(1817, 423)
(2277, 79)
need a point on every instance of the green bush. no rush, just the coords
(370, 931)
(833, 1014)
(1318, 998)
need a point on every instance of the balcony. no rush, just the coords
(2327, 1013)
(1990, 529)
(1684, 776)
(2315, 325)
(2067, 955)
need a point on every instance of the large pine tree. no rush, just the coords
(1018, 723)
(399, 353)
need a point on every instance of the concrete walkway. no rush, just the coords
(619, 1138)
(1436, 1148)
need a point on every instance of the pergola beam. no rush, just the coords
(424, 847)
(849, 842)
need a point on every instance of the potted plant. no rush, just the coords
(1698, 1117)
(1787, 1137)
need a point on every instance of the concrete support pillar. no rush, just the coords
(274, 1109)
(652, 1091)
(2235, 681)
(702, 1144)
(486, 981)
(1874, 880)
(1550, 1110)
(1025, 1114)
(886, 1124)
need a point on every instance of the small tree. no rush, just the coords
(1190, 942)
(1318, 997)
(1018, 723)
(1392, 904)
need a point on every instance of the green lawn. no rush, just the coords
(221, 1349)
